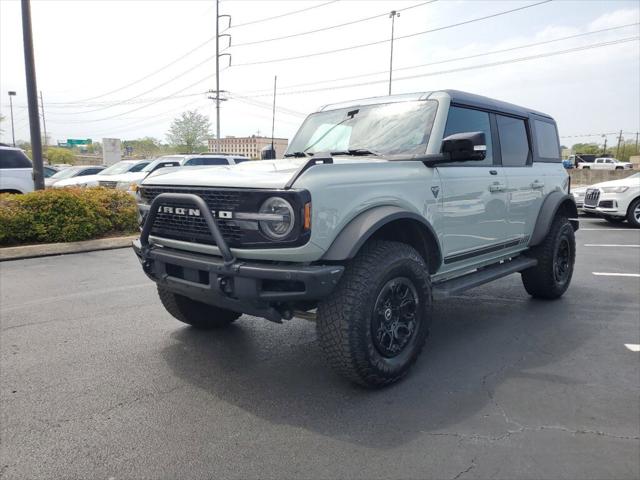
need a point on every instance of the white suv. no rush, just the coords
(16, 171)
(616, 201)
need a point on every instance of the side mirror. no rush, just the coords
(465, 146)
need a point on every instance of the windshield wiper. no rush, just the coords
(298, 154)
(356, 152)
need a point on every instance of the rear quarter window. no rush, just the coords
(546, 140)
(14, 159)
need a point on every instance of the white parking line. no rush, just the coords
(633, 347)
(602, 274)
(608, 230)
(610, 245)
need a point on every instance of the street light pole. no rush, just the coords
(393, 16)
(13, 133)
(32, 97)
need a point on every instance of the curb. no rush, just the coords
(47, 249)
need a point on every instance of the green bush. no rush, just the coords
(65, 215)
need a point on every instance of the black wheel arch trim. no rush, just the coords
(550, 206)
(354, 235)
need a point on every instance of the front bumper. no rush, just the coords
(608, 204)
(263, 289)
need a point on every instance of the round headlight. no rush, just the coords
(279, 228)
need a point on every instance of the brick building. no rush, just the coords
(248, 146)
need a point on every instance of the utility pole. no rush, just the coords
(273, 117)
(218, 55)
(13, 133)
(392, 16)
(619, 140)
(636, 142)
(44, 123)
(604, 150)
(32, 96)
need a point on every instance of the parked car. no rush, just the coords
(72, 175)
(131, 181)
(50, 171)
(568, 164)
(380, 205)
(16, 171)
(93, 179)
(615, 201)
(578, 195)
(605, 164)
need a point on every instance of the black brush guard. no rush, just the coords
(256, 288)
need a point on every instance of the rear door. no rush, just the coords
(474, 197)
(524, 182)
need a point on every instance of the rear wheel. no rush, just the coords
(556, 256)
(633, 214)
(374, 325)
(197, 314)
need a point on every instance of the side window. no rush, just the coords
(139, 166)
(214, 161)
(461, 120)
(240, 160)
(514, 144)
(193, 161)
(14, 159)
(547, 140)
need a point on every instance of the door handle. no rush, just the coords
(537, 185)
(496, 187)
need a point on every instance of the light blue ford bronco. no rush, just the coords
(380, 206)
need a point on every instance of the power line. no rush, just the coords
(472, 67)
(362, 45)
(253, 22)
(455, 59)
(168, 97)
(353, 22)
(173, 62)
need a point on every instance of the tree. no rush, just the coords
(189, 131)
(147, 147)
(593, 148)
(60, 155)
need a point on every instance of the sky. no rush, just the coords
(126, 69)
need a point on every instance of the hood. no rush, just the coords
(83, 180)
(124, 177)
(272, 174)
(622, 182)
(253, 174)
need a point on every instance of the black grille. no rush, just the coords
(193, 228)
(591, 197)
(216, 199)
(606, 204)
(107, 184)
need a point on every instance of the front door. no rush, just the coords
(474, 196)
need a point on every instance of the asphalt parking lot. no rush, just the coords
(98, 381)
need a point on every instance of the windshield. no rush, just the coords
(67, 173)
(120, 167)
(387, 129)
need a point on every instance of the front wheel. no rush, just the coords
(374, 325)
(197, 314)
(556, 256)
(633, 214)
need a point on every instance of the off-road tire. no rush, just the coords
(197, 314)
(345, 320)
(631, 218)
(541, 281)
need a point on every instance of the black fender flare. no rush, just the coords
(550, 206)
(354, 235)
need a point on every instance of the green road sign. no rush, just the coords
(74, 141)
